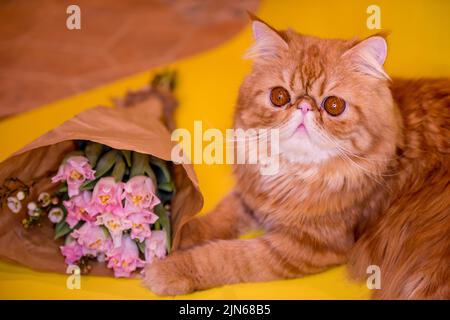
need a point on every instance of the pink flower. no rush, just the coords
(155, 246)
(140, 224)
(79, 208)
(124, 259)
(72, 252)
(92, 238)
(139, 193)
(75, 171)
(107, 196)
(116, 225)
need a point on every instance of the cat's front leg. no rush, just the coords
(270, 257)
(228, 220)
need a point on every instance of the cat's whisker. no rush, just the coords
(351, 154)
(372, 159)
(343, 155)
(282, 128)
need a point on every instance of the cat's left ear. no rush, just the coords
(268, 42)
(369, 55)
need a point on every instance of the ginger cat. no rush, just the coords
(364, 175)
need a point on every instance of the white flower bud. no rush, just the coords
(32, 206)
(44, 199)
(34, 213)
(56, 215)
(14, 204)
(20, 195)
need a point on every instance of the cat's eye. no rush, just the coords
(334, 105)
(279, 96)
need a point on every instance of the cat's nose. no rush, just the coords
(305, 106)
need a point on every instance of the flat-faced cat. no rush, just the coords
(363, 177)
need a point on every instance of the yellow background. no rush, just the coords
(418, 46)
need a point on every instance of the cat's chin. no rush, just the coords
(300, 149)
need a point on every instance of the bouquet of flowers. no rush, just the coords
(101, 191)
(112, 205)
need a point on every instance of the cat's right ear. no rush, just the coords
(369, 55)
(268, 42)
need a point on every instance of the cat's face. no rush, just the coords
(328, 98)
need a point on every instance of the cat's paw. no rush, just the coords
(167, 277)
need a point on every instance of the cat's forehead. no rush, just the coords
(310, 61)
(303, 47)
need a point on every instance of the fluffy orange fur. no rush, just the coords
(367, 187)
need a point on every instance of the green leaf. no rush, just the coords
(141, 246)
(165, 80)
(88, 185)
(127, 156)
(119, 168)
(139, 164)
(149, 172)
(105, 231)
(164, 196)
(69, 239)
(164, 221)
(93, 151)
(105, 163)
(63, 188)
(78, 225)
(166, 186)
(61, 229)
(162, 165)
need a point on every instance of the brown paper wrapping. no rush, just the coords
(137, 128)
